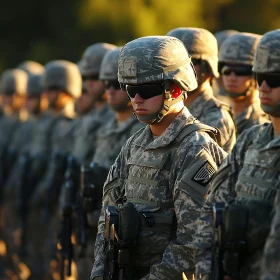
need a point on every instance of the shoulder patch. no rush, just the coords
(204, 173)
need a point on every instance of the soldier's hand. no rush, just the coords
(206, 277)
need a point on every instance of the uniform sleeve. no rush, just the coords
(190, 188)
(111, 195)
(271, 256)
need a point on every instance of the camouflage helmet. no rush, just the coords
(63, 75)
(200, 43)
(222, 35)
(109, 65)
(31, 67)
(92, 58)
(267, 56)
(156, 58)
(34, 86)
(239, 48)
(14, 81)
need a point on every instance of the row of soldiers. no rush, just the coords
(42, 157)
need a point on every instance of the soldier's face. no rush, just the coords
(33, 104)
(84, 103)
(145, 107)
(95, 88)
(236, 83)
(269, 96)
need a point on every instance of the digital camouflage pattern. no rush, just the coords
(215, 113)
(200, 43)
(86, 134)
(109, 65)
(251, 116)
(156, 58)
(111, 138)
(63, 75)
(222, 35)
(271, 256)
(267, 54)
(250, 172)
(92, 58)
(146, 172)
(239, 48)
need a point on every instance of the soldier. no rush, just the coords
(89, 67)
(235, 65)
(158, 171)
(84, 103)
(201, 103)
(247, 181)
(18, 146)
(31, 67)
(13, 91)
(62, 84)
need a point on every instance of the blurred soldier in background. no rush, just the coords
(202, 47)
(84, 103)
(217, 83)
(236, 57)
(247, 182)
(151, 177)
(31, 67)
(222, 35)
(13, 209)
(13, 92)
(62, 85)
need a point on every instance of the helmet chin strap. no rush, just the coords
(274, 111)
(167, 103)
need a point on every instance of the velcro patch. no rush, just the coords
(130, 68)
(204, 174)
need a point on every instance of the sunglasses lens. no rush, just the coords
(272, 79)
(112, 84)
(237, 70)
(91, 77)
(145, 91)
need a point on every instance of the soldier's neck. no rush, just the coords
(239, 105)
(158, 128)
(193, 95)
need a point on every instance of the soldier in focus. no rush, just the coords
(247, 182)
(156, 174)
(202, 104)
(236, 57)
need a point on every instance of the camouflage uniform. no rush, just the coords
(146, 172)
(202, 44)
(65, 77)
(239, 49)
(249, 174)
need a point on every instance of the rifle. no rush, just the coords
(217, 272)
(65, 246)
(111, 227)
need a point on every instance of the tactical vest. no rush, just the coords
(158, 224)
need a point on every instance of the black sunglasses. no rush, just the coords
(237, 70)
(272, 79)
(145, 91)
(114, 84)
(93, 77)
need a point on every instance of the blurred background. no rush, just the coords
(44, 30)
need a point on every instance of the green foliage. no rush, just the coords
(43, 30)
